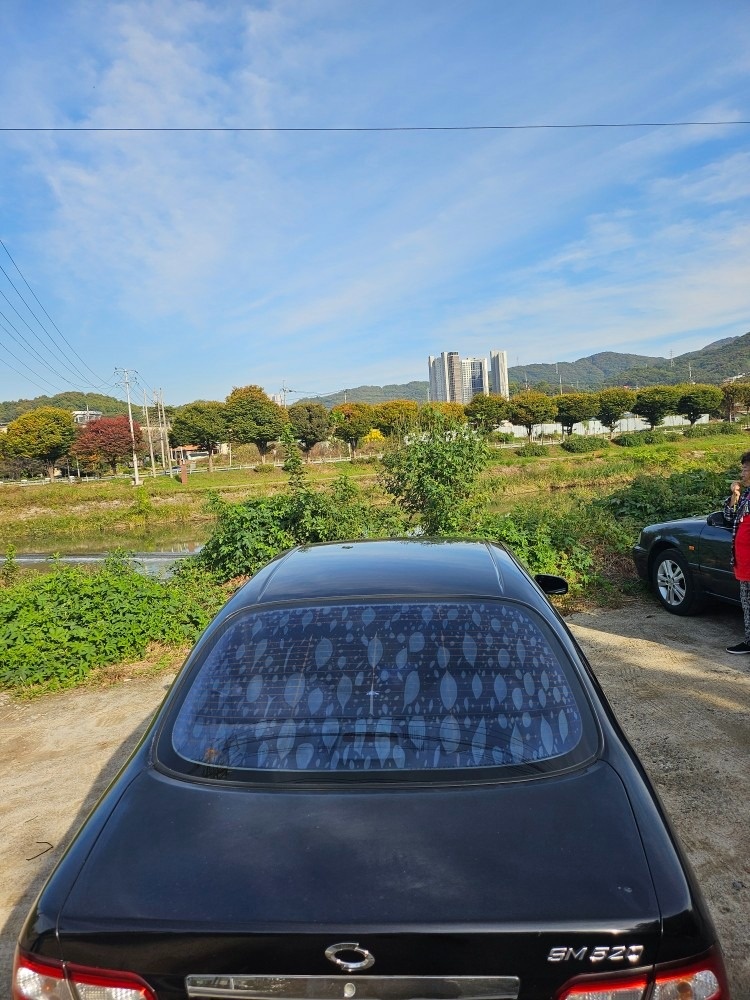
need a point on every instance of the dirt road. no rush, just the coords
(683, 701)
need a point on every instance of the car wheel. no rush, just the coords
(673, 583)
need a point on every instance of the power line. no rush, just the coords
(25, 345)
(73, 371)
(100, 382)
(373, 128)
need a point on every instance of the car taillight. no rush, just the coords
(700, 981)
(703, 980)
(611, 989)
(36, 979)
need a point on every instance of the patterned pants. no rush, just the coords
(745, 600)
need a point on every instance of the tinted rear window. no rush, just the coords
(381, 687)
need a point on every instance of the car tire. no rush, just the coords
(674, 585)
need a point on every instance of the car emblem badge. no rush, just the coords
(351, 947)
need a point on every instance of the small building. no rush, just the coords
(86, 416)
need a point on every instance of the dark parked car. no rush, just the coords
(386, 772)
(687, 562)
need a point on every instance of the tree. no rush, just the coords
(575, 407)
(396, 417)
(450, 411)
(484, 413)
(613, 403)
(351, 421)
(254, 418)
(699, 399)
(433, 476)
(292, 459)
(656, 402)
(45, 434)
(530, 408)
(734, 394)
(202, 423)
(311, 423)
(107, 440)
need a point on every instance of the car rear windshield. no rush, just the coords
(381, 687)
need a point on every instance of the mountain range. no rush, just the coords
(717, 361)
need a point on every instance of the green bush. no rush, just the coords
(578, 444)
(652, 499)
(533, 451)
(710, 430)
(265, 469)
(246, 535)
(551, 540)
(633, 439)
(501, 437)
(55, 629)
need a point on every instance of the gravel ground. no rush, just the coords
(683, 701)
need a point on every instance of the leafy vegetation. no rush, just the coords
(710, 430)
(578, 445)
(433, 477)
(633, 439)
(246, 535)
(651, 499)
(56, 629)
(533, 451)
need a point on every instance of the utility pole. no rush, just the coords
(126, 381)
(163, 425)
(150, 439)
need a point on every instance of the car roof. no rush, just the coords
(381, 568)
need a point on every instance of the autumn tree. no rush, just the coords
(656, 402)
(351, 421)
(254, 418)
(311, 423)
(530, 408)
(107, 440)
(575, 408)
(396, 417)
(202, 423)
(613, 405)
(484, 413)
(45, 434)
(697, 399)
(450, 411)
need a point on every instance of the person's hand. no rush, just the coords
(736, 490)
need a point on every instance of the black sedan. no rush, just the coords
(687, 562)
(386, 772)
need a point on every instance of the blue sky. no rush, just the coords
(325, 260)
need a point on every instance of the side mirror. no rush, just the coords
(716, 520)
(551, 584)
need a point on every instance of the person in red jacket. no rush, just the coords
(737, 513)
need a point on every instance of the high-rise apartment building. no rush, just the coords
(446, 378)
(458, 380)
(499, 373)
(474, 377)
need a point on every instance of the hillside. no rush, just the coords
(719, 360)
(108, 405)
(416, 391)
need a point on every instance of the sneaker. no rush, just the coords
(741, 647)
